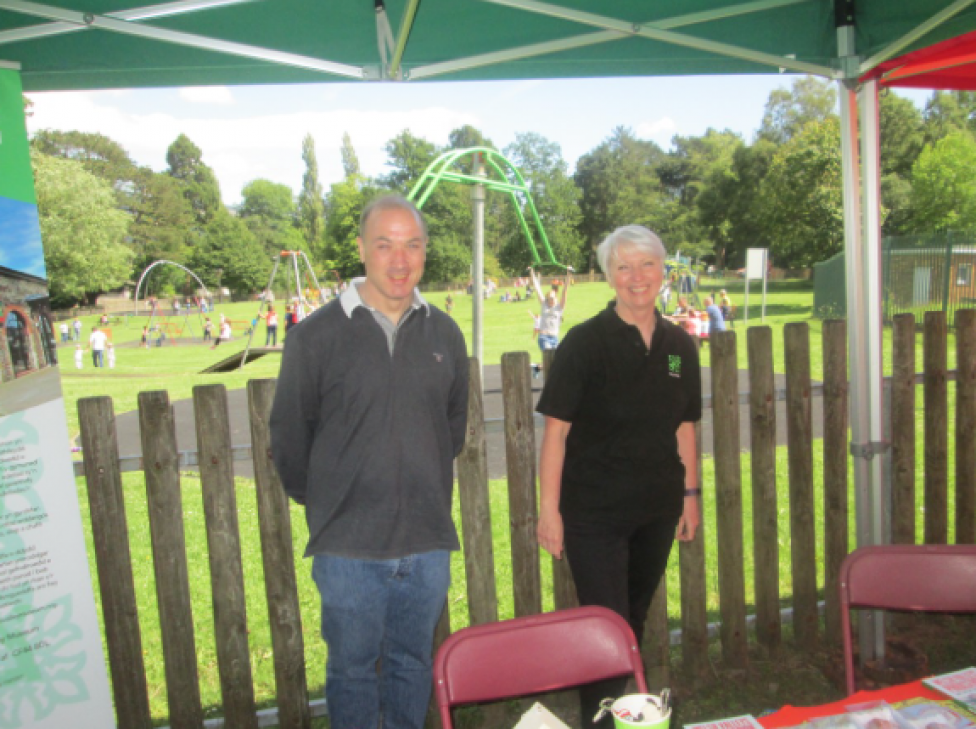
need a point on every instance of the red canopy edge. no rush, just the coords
(949, 65)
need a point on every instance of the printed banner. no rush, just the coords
(52, 668)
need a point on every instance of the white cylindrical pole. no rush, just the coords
(478, 265)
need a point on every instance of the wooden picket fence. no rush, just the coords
(161, 463)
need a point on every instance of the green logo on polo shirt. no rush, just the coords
(674, 365)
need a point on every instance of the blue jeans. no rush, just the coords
(380, 610)
(98, 357)
(548, 341)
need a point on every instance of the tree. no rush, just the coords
(268, 210)
(690, 174)
(344, 205)
(943, 186)
(802, 197)
(161, 216)
(269, 200)
(227, 244)
(408, 156)
(620, 186)
(900, 133)
(350, 162)
(162, 220)
(947, 112)
(556, 198)
(103, 157)
(901, 138)
(199, 183)
(467, 137)
(82, 229)
(734, 202)
(809, 100)
(311, 207)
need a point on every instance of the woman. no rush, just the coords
(551, 314)
(618, 470)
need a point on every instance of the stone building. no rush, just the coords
(27, 342)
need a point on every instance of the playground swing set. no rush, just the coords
(162, 326)
(299, 270)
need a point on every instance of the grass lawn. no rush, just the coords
(789, 677)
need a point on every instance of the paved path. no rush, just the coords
(129, 444)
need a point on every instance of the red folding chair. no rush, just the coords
(923, 578)
(532, 655)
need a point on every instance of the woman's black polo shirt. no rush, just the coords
(625, 403)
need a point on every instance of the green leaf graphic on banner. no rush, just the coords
(41, 649)
(16, 179)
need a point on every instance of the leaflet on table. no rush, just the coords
(539, 717)
(958, 685)
(746, 721)
(929, 714)
(911, 714)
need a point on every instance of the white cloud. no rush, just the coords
(660, 131)
(245, 148)
(219, 95)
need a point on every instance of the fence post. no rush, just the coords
(278, 557)
(563, 587)
(765, 537)
(656, 650)
(965, 426)
(799, 422)
(116, 585)
(836, 463)
(520, 456)
(936, 424)
(903, 429)
(157, 428)
(223, 541)
(694, 615)
(472, 465)
(728, 497)
(442, 631)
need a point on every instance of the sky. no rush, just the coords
(252, 132)
(20, 237)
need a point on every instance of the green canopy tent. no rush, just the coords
(89, 44)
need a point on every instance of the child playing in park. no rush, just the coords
(79, 357)
(110, 355)
(225, 332)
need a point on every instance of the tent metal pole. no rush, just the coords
(871, 212)
(478, 266)
(863, 326)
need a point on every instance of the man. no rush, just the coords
(96, 342)
(369, 413)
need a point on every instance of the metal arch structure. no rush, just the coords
(152, 315)
(160, 262)
(441, 170)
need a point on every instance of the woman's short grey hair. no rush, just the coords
(636, 236)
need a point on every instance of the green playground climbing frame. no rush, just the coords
(501, 176)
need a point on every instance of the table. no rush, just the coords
(794, 715)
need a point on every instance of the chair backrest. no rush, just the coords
(534, 654)
(925, 578)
